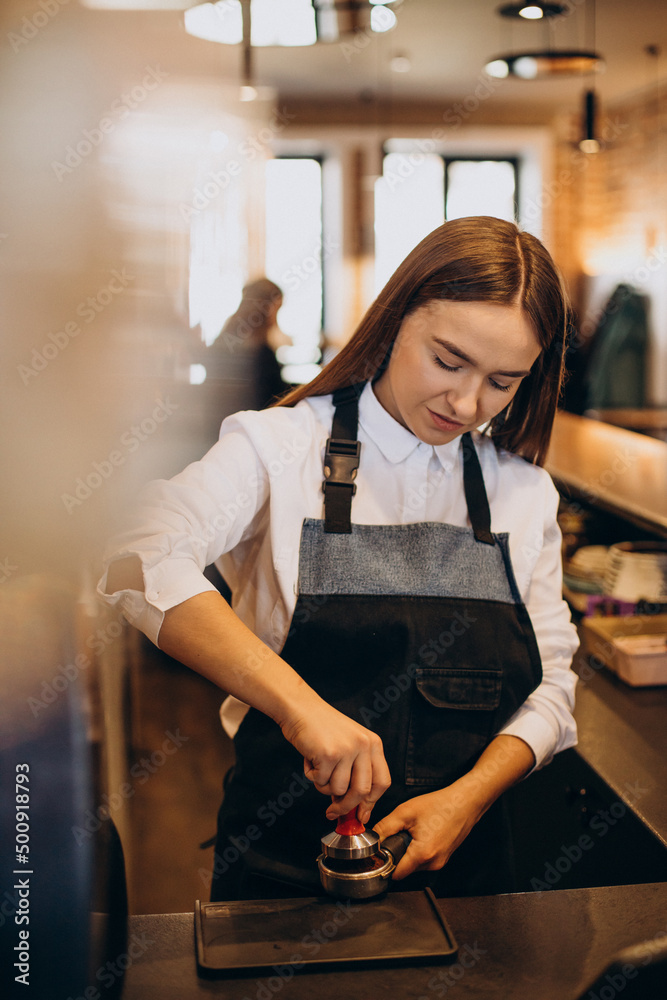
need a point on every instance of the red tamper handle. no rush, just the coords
(349, 825)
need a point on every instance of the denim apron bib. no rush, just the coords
(416, 631)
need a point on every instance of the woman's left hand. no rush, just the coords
(438, 823)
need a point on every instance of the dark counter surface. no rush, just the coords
(612, 468)
(623, 737)
(547, 945)
(527, 946)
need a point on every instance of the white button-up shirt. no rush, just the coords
(243, 504)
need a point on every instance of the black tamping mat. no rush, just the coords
(259, 935)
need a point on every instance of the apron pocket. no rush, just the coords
(452, 719)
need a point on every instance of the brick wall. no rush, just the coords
(609, 214)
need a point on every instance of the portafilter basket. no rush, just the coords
(354, 864)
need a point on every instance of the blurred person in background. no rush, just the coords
(242, 371)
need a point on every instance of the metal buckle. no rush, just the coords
(341, 461)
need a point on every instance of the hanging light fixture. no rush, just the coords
(541, 63)
(258, 23)
(288, 23)
(532, 11)
(588, 143)
(544, 64)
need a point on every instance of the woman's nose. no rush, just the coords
(464, 399)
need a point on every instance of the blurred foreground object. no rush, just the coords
(63, 877)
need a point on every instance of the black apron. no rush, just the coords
(416, 631)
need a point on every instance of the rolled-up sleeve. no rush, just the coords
(545, 721)
(180, 526)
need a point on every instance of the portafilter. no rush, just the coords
(354, 864)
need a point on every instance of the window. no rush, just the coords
(419, 190)
(481, 187)
(294, 257)
(409, 204)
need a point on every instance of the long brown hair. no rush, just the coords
(476, 259)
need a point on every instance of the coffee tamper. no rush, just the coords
(354, 864)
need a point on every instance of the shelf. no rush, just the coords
(612, 468)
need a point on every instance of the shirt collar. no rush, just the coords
(395, 441)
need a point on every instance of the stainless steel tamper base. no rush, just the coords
(346, 847)
(357, 885)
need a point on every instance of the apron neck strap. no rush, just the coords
(475, 492)
(341, 461)
(346, 413)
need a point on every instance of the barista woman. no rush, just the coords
(397, 626)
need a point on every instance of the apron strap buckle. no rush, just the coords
(341, 461)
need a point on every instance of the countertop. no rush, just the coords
(526, 946)
(622, 730)
(613, 468)
(648, 420)
(623, 737)
(522, 946)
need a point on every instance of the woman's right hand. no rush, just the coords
(342, 759)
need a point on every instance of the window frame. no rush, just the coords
(481, 158)
(319, 159)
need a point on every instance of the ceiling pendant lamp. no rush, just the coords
(589, 143)
(547, 63)
(288, 22)
(544, 64)
(532, 11)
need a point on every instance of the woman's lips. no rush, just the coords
(443, 423)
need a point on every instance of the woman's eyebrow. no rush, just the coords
(453, 349)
